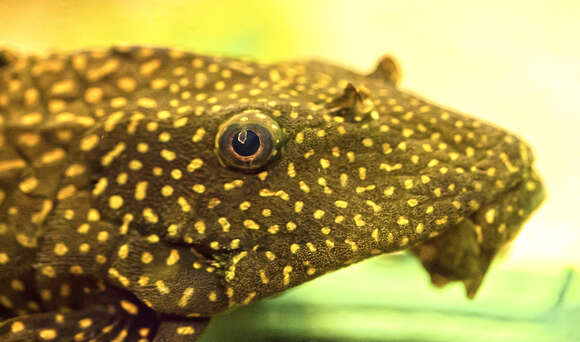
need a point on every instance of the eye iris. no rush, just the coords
(246, 143)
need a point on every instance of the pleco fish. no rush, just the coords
(143, 190)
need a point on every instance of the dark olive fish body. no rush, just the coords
(144, 190)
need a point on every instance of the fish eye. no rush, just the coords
(248, 141)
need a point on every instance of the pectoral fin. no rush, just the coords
(124, 320)
(79, 325)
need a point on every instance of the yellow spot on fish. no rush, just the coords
(251, 224)
(60, 249)
(146, 257)
(286, 271)
(17, 327)
(123, 251)
(28, 185)
(358, 220)
(490, 216)
(225, 224)
(176, 174)
(198, 136)
(271, 256)
(304, 187)
(150, 216)
(294, 248)
(185, 297)
(161, 287)
(48, 334)
(402, 220)
(185, 330)
(194, 165)
(245, 205)
(318, 214)
(419, 228)
(173, 257)
(199, 188)
(129, 307)
(352, 244)
(115, 202)
(168, 155)
(291, 170)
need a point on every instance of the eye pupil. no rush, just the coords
(246, 143)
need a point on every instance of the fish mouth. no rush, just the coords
(465, 251)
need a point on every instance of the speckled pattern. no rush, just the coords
(125, 213)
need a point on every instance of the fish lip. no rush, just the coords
(466, 249)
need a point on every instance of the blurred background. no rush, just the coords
(514, 63)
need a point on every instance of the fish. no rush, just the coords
(144, 190)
